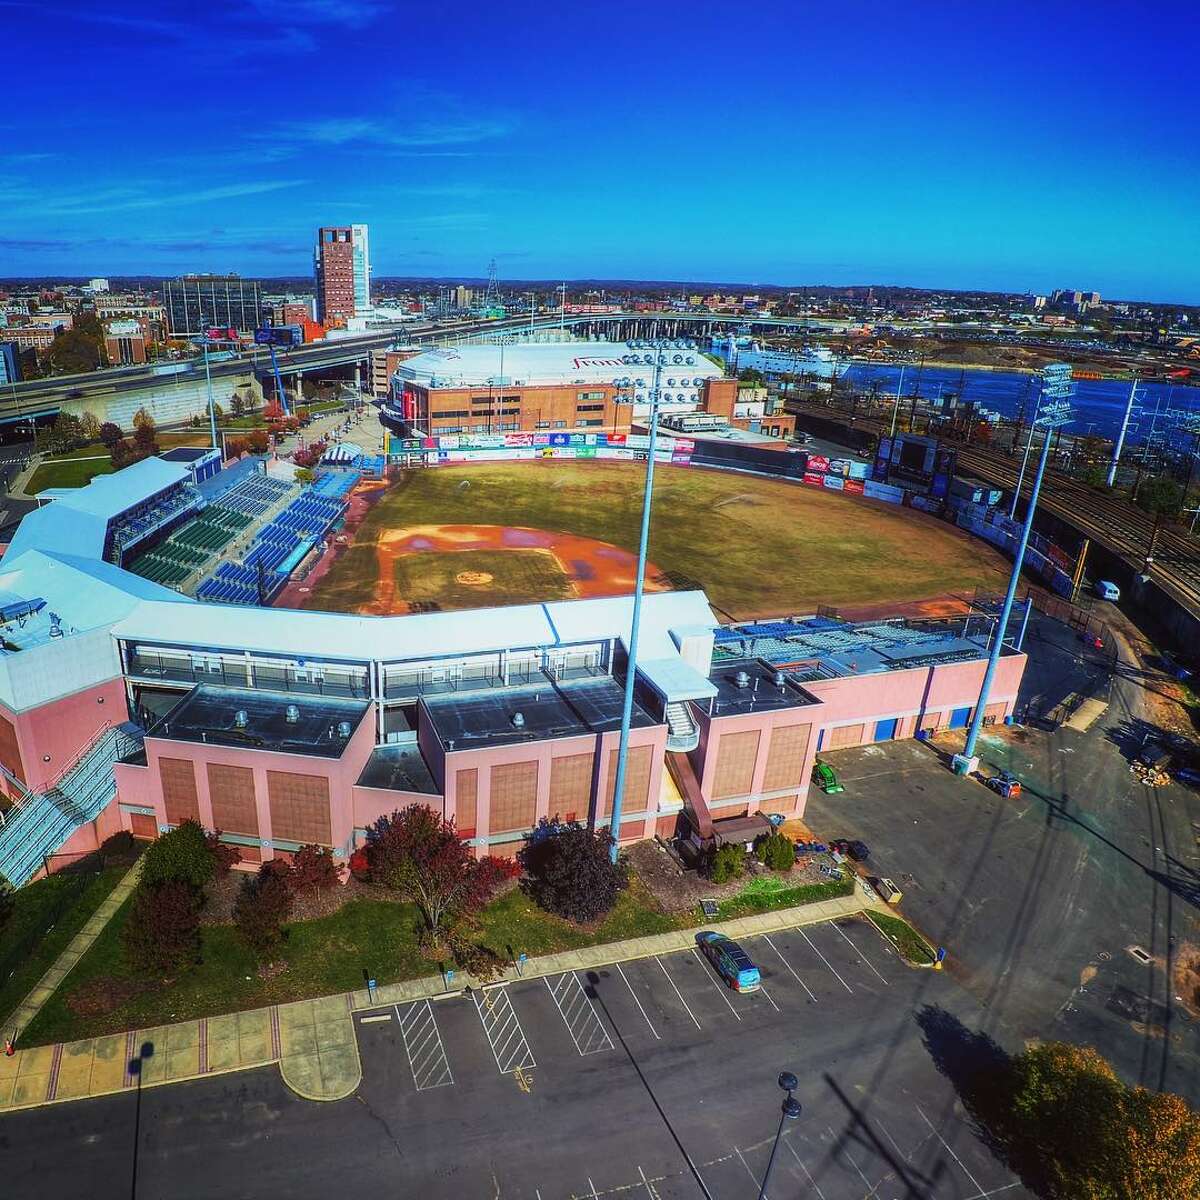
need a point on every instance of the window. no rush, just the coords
(560, 424)
(589, 396)
(541, 425)
(589, 408)
(449, 412)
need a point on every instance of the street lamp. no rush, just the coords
(789, 1111)
(661, 359)
(1054, 413)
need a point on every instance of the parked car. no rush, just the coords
(851, 848)
(731, 962)
(825, 777)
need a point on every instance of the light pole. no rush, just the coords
(896, 406)
(1054, 413)
(1012, 510)
(660, 360)
(790, 1110)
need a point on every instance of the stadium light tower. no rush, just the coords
(661, 359)
(1053, 413)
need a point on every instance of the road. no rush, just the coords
(646, 1079)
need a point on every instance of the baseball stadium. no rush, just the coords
(285, 658)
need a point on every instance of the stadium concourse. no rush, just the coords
(128, 704)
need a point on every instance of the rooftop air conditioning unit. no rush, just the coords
(742, 679)
(518, 720)
(291, 714)
(241, 719)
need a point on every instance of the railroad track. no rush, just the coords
(1115, 524)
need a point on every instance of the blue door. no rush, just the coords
(820, 738)
(885, 731)
(959, 717)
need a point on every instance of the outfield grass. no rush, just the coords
(35, 909)
(518, 577)
(756, 546)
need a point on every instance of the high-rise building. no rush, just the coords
(10, 362)
(195, 303)
(463, 296)
(97, 285)
(342, 267)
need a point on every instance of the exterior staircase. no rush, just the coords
(39, 822)
(683, 733)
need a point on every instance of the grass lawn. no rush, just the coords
(331, 955)
(75, 468)
(756, 546)
(518, 577)
(36, 908)
(904, 937)
(765, 893)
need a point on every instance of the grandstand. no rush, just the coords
(281, 545)
(191, 549)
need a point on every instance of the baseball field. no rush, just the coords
(459, 537)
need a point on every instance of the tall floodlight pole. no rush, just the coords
(1012, 508)
(562, 305)
(660, 358)
(896, 406)
(1054, 412)
(1119, 444)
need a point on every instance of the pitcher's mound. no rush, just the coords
(474, 578)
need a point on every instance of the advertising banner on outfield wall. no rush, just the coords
(854, 487)
(814, 478)
(834, 483)
(883, 491)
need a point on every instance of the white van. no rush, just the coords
(1107, 591)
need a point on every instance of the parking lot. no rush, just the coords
(651, 1078)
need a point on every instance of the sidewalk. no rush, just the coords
(314, 1041)
(78, 946)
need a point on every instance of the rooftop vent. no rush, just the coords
(518, 720)
(291, 714)
(780, 680)
(345, 729)
(241, 719)
(741, 679)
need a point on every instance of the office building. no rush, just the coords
(10, 363)
(124, 342)
(342, 269)
(97, 285)
(196, 303)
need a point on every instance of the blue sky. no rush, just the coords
(992, 145)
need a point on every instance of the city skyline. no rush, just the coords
(671, 146)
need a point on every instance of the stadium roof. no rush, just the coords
(549, 363)
(76, 520)
(347, 636)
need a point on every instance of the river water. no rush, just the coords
(1099, 403)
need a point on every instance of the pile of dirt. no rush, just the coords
(1187, 977)
(221, 895)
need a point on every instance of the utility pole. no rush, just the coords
(1119, 444)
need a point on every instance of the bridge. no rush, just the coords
(126, 388)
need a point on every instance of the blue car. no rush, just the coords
(733, 964)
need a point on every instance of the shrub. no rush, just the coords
(118, 845)
(570, 870)
(313, 868)
(182, 854)
(110, 434)
(776, 850)
(225, 857)
(725, 863)
(360, 866)
(162, 933)
(263, 906)
(7, 903)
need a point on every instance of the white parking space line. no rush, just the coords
(825, 961)
(375, 1018)
(423, 1045)
(860, 954)
(649, 1186)
(838, 1145)
(677, 991)
(950, 1150)
(807, 1173)
(767, 939)
(763, 991)
(503, 1030)
(747, 1166)
(595, 1193)
(578, 1013)
(720, 990)
(996, 1191)
(638, 1003)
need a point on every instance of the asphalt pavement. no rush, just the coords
(647, 1079)
(1065, 909)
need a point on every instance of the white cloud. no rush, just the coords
(144, 196)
